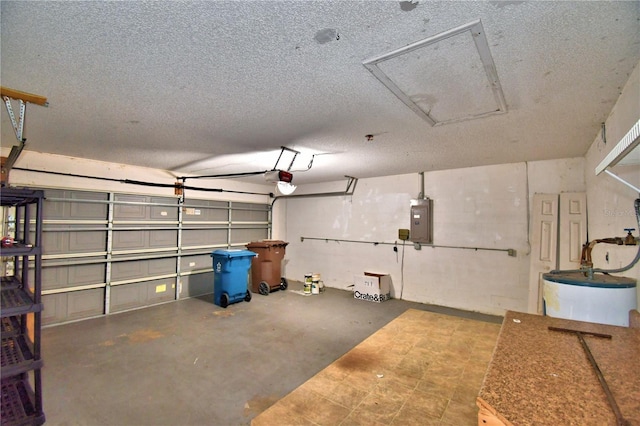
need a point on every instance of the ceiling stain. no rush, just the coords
(408, 6)
(326, 35)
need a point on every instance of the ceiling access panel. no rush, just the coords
(446, 78)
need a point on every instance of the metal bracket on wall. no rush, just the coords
(18, 126)
(351, 187)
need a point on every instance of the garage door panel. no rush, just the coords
(203, 237)
(205, 211)
(196, 284)
(203, 214)
(159, 239)
(148, 210)
(62, 307)
(162, 266)
(55, 243)
(128, 270)
(62, 210)
(85, 303)
(87, 241)
(195, 262)
(127, 296)
(64, 242)
(246, 212)
(53, 209)
(55, 308)
(129, 211)
(134, 269)
(54, 277)
(88, 211)
(159, 291)
(164, 212)
(86, 274)
(130, 296)
(246, 235)
(129, 240)
(140, 239)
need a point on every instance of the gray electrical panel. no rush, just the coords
(422, 221)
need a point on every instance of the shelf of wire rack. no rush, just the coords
(21, 307)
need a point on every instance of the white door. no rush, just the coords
(559, 229)
(573, 229)
(544, 242)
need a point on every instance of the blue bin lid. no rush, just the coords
(233, 253)
(598, 280)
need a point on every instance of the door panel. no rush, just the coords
(573, 229)
(544, 243)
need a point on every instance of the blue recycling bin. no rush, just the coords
(230, 276)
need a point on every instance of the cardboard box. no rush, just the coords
(372, 287)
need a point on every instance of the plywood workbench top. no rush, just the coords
(543, 377)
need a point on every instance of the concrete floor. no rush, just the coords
(194, 363)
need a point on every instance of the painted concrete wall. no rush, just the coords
(610, 203)
(480, 207)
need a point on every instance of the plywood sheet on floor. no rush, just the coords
(421, 368)
(567, 388)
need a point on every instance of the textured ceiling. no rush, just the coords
(217, 87)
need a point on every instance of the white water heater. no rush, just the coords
(603, 299)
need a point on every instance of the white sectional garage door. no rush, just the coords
(106, 252)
